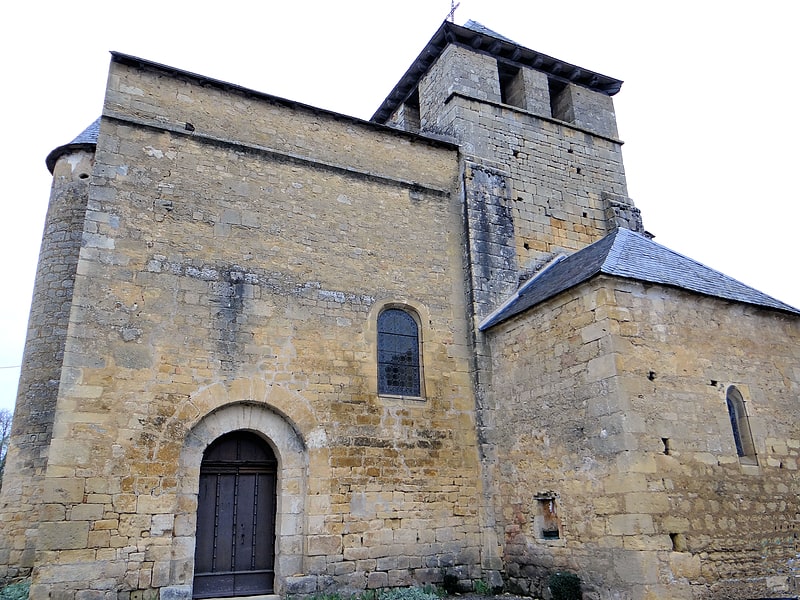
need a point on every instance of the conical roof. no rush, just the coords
(86, 140)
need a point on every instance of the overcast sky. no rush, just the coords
(707, 110)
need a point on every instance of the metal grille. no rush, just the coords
(398, 354)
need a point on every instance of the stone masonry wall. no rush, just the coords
(558, 172)
(557, 177)
(243, 262)
(734, 526)
(548, 368)
(610, 400)
(44, 351)
(592, 110)
(551, 182)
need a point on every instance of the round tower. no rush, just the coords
(26, 461)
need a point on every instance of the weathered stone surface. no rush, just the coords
(64, 535)
(175, 592)
(219, 264)
(663, 488)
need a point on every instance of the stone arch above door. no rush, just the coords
(291, 452)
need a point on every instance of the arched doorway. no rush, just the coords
(235, 548)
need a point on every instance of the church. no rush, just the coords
(275, 350)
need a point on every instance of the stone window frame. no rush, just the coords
(409, 311)
(740, 426)
(546, 514)
(421, 316)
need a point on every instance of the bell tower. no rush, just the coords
(542, 163)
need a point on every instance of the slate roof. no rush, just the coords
(87, 140)
(625, 253)
(480, 28)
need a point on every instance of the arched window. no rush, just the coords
(399, 365)
(741, 426)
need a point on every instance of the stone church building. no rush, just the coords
(278, 350)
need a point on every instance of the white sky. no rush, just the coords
(708, 110)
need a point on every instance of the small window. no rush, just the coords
(678, 542)
(741, 427)
(546, 518)
(398, 354)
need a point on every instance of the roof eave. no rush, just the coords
(498, 318)
(86, 140)
(501, 48)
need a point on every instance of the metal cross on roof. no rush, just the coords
(452, 14)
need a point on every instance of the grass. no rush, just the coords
(483, 588)
(15, 591)
(408, 593)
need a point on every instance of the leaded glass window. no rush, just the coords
(398, 354)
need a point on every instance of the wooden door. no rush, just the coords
(235, 552)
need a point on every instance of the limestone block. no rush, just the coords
(636, 567)
(685, 565)
(99, 539)
(301, 585)
(324, 545)
(90, 595)
(676, 524)
(161, 573)
(105, 524)
(86, 512)
(77, 572)
(377, 580)
(647, 542)
(673, 590)
(53, 512)
(134, 525)
(630, 524)
(175, 592)
(162, 524)
(151, 505)
(595, 331)
(184, 525)
(646, 503)
(636, 463)
(63, 490)
(63, 535)
(602, 367)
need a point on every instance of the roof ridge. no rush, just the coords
(615, 252)
(630, 255)
(675, 272)
(481, 28)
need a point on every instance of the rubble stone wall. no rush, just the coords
(622, 422)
